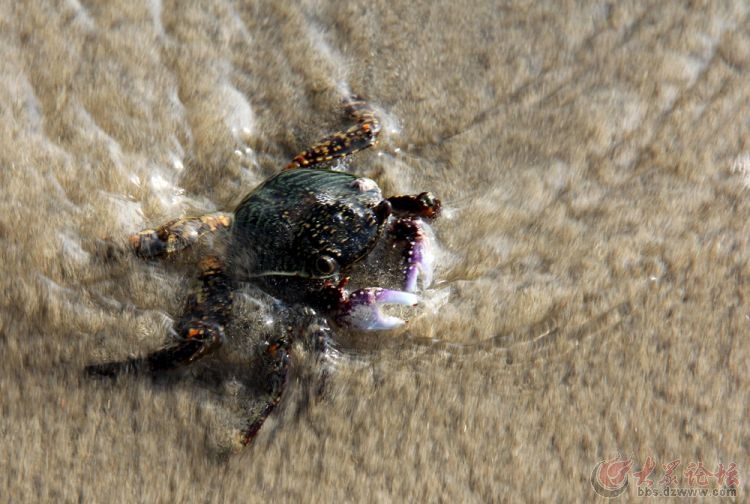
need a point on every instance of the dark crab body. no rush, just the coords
(296, 236)
(307, 225)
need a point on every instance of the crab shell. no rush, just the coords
(303, 226)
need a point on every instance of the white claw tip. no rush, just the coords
(397, 298)
(364, 312)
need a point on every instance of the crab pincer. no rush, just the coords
(362, 309)
(418, 256)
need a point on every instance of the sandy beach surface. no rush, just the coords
(593, 159)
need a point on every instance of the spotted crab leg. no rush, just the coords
(276, 360)
(343, 143)
(201, 327)
(178, 234)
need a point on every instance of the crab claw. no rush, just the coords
(420, 261)
(417, 253)
(363, 308)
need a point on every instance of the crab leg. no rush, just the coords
(201, 327)
(177, 234)
(343, 143)
(276, 359)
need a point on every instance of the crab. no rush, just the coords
(297, 237)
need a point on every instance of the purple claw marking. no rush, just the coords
(362, 308)
(417, 252)
(420, 260)
(363, 311)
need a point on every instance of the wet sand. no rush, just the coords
(589, 298)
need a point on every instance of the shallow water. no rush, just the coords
(589, 291)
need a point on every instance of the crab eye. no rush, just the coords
(326, 265)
